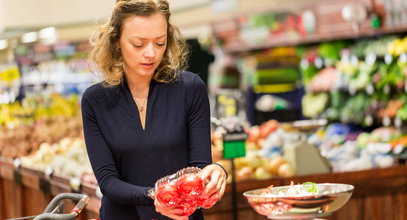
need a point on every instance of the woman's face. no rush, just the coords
(142, 43)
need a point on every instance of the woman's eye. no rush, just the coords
(161, 44)
(137, 45)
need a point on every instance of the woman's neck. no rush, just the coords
(138, 86)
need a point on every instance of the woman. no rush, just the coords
(147, 119)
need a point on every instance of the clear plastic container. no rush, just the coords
(184, 190)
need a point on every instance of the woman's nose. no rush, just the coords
(149, 51)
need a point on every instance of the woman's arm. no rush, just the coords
(214, 175)
(198, 123)
(103, 163)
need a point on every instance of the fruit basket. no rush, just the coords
(302, 201)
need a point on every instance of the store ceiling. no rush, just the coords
(38, 13)
(19, 16)
(23, 15)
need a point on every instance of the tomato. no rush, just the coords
(188, 206)
(167, 194)
(190, 185)
(206, 202)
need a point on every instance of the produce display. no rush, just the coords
(350, 149)
(66, 158)
(183, 190)
(362, 83)
(45, 133)
(257, 164)
(346, 147)
(23, 127)
(10, 80)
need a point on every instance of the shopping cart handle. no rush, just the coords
(82, 202)
(53, 216)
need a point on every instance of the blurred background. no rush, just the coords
(300, 90)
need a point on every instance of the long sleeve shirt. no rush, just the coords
(127, 159)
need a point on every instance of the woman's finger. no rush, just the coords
(220, 182)
(172, 213)
(211, 187)
(222, 189)
(205, 174)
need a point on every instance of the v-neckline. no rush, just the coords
(133, 109)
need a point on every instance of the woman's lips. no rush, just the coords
(147, 65)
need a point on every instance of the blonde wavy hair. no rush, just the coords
(107, 57)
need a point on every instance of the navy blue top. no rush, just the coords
(126, 159)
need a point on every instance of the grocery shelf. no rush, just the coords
(55, 78)
(282, 41)
(26, 191)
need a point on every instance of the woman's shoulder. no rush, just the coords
(94, 90)
(99, 91)
(191, 80)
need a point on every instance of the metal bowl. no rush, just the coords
(330, 197)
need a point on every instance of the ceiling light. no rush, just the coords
(48, 32)
(29, 37)
(3, 44)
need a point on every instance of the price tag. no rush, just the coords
(48, 172)
(403, 58)
(368, 120)
(304, 64)
(352, 90)
(398, 122)
(233, 149)
(386, 89)
(398, 149)
(17, 163)
(328, 62)
(354, 60)
(10, 74)
(388, 58)
(371, 59)
(318, 63)
(384, 148)
(75, 183)
(345, 58)
(386, 121)
(10, 125)
(370, 89)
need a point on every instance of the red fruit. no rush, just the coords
(190, 185)
(187, 206)
(206, 202)
(167, 194)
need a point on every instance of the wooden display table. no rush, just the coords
(379, 194)
(26, 192)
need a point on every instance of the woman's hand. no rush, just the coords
(214, 178)
(172, 213)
